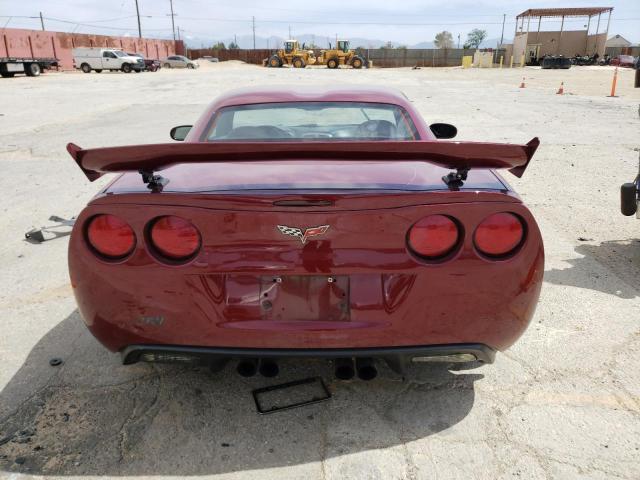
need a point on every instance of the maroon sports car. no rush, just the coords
(290, 223)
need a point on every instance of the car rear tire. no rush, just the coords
(357, 63)
(126, 68)
(166, 65)
(85, 67)
(191, 66)
(628, 199)
(333, 63)
(274, 62)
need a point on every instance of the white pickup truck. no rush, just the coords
(98, 59)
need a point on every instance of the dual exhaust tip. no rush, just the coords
(345, 368)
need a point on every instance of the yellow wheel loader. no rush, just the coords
(341, 55)
(291, 55)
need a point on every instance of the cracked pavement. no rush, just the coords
(562, 403)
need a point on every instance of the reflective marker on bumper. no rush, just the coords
(458, 357)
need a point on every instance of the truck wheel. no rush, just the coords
(32, 69)
(274, 62)
(333, 63)
(357, 62)
(8, 74)
(98, 70)
(298, 62)
(85, 67)
(126, 68)
(628, 199)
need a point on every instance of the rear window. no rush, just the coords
(298, 121)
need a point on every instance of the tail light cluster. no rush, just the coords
(169, 237)
(438, 236)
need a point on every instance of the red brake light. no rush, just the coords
(110, 236)
(499, 234)
(434, 236)
(175, 237)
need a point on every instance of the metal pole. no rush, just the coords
(595, 45)
(42, 21)
(173, 27)
(459, 39)
(504, 17)
(606, 34)
(137, 13)
(560, 37)
(586, 43)
(253, 27)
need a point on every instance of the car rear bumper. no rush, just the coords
(201, 355)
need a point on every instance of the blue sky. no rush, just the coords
(406, 22)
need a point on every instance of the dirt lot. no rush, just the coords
(563, 403)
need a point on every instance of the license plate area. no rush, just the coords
(305, 298)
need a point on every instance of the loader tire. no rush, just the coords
(357, 63)
(333, 63)
(298, 62)
(274, 62)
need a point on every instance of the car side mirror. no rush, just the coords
(443, 130)
(180, 133)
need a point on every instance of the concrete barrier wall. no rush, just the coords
(35, 43)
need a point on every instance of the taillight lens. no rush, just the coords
(110, 236)
(174, 237)
(434, 236)
(499, 234)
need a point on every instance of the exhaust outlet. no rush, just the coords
(366, 369)
(247, 367)
(344, 369)
(268, 368)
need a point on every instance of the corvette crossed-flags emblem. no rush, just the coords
(303, 236)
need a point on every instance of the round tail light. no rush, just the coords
(174, 238)
(434, 236)
(499, 234)
(110, 236)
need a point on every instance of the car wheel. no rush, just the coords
(85, 67)
(167, 65)
(333, 63)
(357, 62)
(126, 68)
(298, 62)
(98, 70)
(191, 65)
(628, 199)
(274, 62)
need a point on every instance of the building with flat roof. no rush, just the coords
(532, 41)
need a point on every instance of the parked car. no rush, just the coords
(99, 59)
(330, 222)
(149, 64)
(179, 61)
(623, 61)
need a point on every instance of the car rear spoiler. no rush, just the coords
(458, 156)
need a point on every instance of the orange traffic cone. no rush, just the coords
(522, 84)
(561, 89)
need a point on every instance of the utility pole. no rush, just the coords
(253, 28)
(137, 13)
(504, 16)
(41, 21)
(172, 23)
(289, 32)
(178, 29)
(458, 41)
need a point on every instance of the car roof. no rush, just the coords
(246, 96)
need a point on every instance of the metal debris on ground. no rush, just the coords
(44, 234)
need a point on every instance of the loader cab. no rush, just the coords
(343, 45)
(290, 46)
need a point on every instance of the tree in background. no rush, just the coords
(475, 38)
(232, 46)
(219, 46)
(444, 39)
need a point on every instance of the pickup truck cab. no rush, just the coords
(98, 59)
